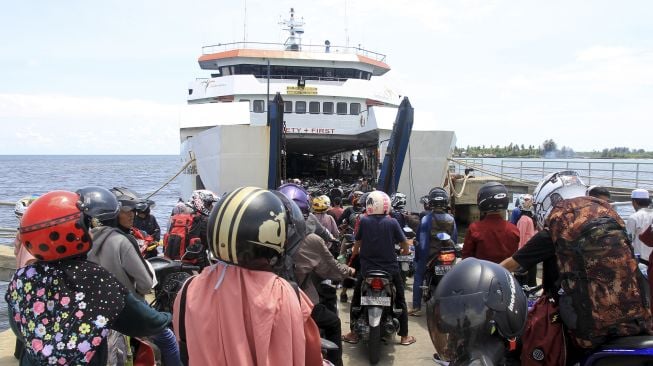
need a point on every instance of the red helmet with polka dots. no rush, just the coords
(53, 228)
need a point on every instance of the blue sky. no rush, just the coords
(81, 77)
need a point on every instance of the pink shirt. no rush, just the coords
(247, 318)
(526, 229)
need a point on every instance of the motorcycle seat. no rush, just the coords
(378, 273)
(632, 342)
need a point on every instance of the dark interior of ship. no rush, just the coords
(343, 157)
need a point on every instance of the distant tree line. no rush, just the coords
(548, 149)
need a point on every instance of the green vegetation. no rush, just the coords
(548, 149)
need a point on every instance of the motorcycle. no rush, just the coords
(406, 262)
(441, 260)
(170, 276)
(376, 316)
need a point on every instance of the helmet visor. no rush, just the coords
(457, 322)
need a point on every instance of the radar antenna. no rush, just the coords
(295, 28)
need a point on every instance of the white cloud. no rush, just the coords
(40, 124)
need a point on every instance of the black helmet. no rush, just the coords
(98, 203)
(438, 198)
(337, 182)
(492, 196)
(475, 301)
(254, 228)
(128, 198)
(361, 204)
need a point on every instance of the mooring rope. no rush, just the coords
(171, 179)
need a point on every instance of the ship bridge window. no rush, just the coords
(259, 106)
(314, 107)
(287, 106)
(341, 108)
(327, 108)
(354, 108)
(300, 107)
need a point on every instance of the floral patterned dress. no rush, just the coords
(63, 310)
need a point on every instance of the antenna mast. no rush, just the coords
(245, 24)
(295, 28)
(346, 26)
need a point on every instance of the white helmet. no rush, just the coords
(23, 203)
(377, 203)
(556, 187)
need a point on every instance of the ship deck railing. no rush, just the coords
(221, 47)
(610, 174)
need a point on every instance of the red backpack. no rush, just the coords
(543, 342)
(178, 237)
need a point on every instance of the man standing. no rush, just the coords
(492, 238)
(639, 221)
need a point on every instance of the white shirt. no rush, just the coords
(636, 224)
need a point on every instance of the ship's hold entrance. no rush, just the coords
(344, 157)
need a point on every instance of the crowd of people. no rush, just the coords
(271, 262)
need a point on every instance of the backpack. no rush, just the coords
(602, 292)
(179, 235)
(437, 227)
(543, 341)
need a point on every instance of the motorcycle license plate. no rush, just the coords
(404, 258)
(441, 270)
(375, 300)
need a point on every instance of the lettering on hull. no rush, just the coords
(319, 131)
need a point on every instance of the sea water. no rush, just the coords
(26, 175)
(23, 175)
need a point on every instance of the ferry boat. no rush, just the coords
(338, 116)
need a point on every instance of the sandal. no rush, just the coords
(408, 341)
(415, 312)
(350, 338)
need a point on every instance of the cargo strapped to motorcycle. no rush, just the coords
(183, 348)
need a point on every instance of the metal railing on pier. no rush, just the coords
(618, 174)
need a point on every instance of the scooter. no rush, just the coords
(441, 260)
(406, 262)
(170, 275)
(376, 316)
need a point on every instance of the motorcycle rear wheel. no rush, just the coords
(374, 344)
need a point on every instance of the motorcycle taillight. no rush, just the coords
(447, 257)
(376, 284)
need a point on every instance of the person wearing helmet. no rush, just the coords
(476, 309)
(300, 196)
(375, 244)
(354, 209)
(437, 221)
(114, 247)
(63, 285)
(116, 250)
(23, 257)
(492, 238)
(145, 221)
(526, 227)
(398, 212)
(320, 206)
(239, 311)
(554, 188)
(315, 268)
(201, 203)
